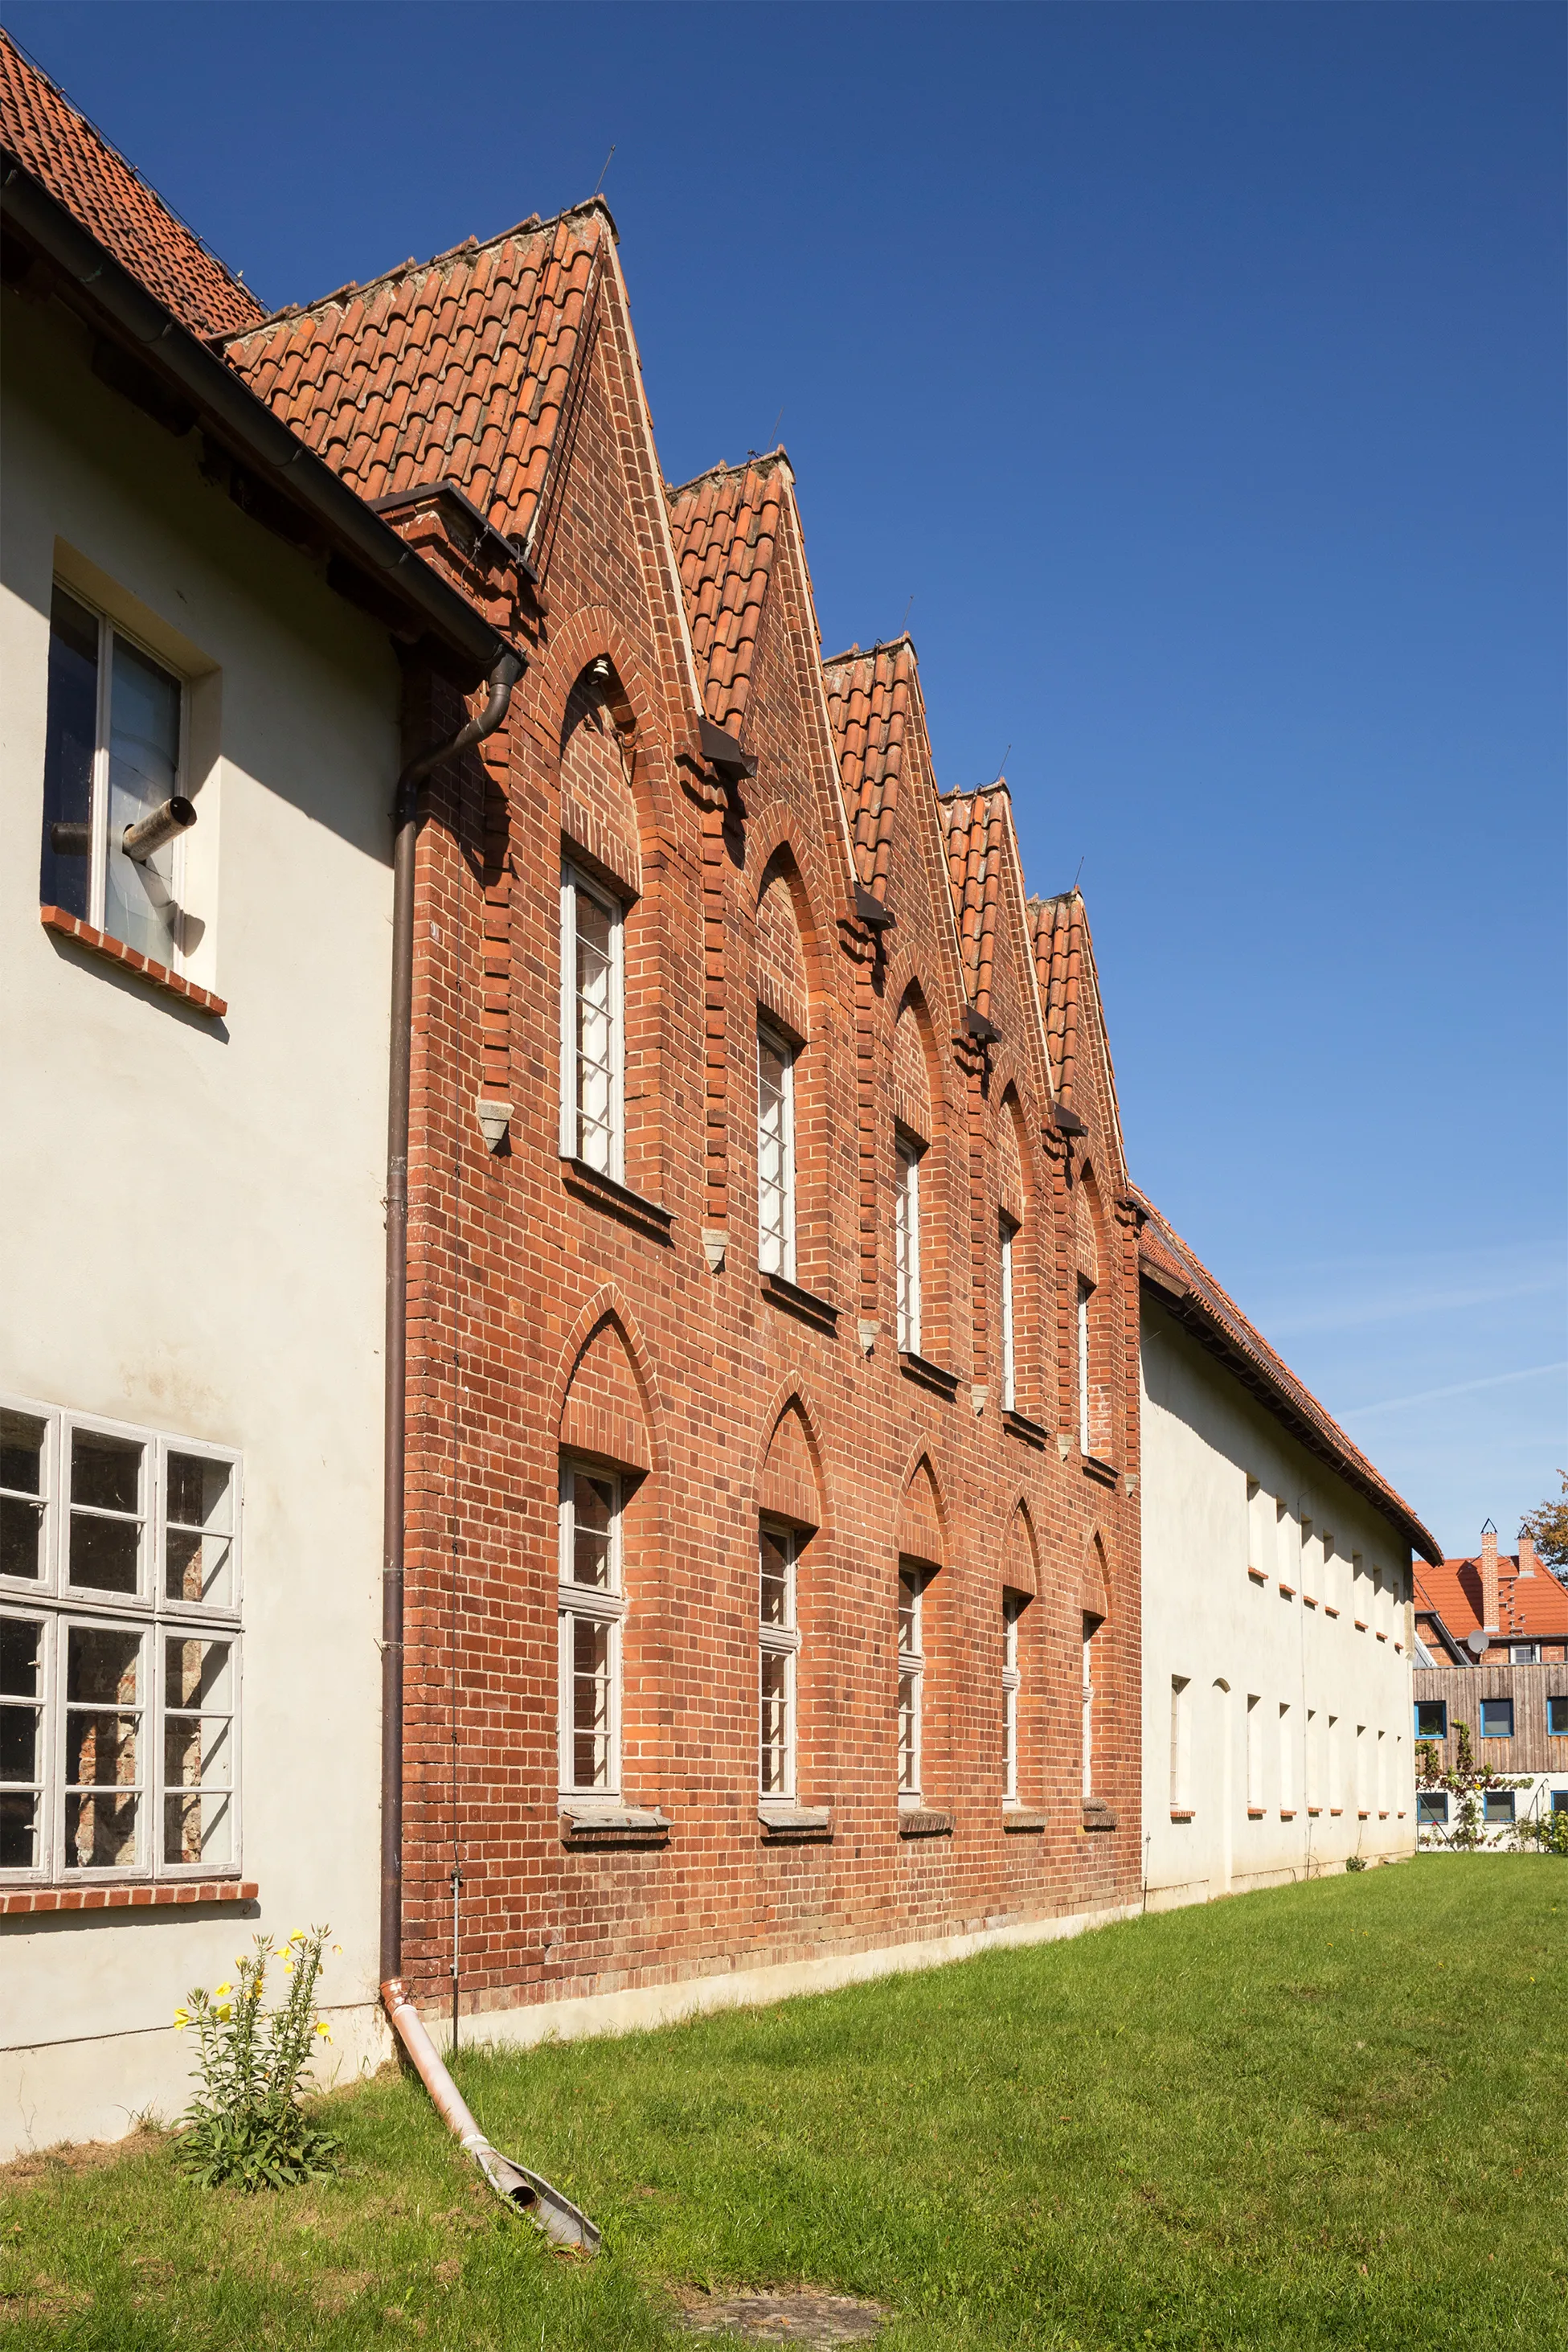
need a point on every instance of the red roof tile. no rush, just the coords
(975, 826)
(874, 704)
(82, 171)
(1529, 1608)
(1185, 1284)
(725, 527)
(1060, 949)
(464, 368)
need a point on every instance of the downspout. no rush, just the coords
(553, 2213)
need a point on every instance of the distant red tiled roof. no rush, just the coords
(975, 827)
(1531, 1608)
(1060, 949)
(873, 702)
(82, 171)
(1179, 1278)
(460, 369)
(725, 529)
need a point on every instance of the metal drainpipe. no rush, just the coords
(553, 2213)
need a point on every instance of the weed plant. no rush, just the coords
(245, 2127)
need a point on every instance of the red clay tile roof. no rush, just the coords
(461, 369)
(1531, 1608)
(975, 826)
(1184, 1284)
(725, 529)
(1061, 948)
(82, 171)
(873, 702)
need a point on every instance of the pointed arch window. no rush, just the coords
(906, 1241)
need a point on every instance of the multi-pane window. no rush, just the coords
(1431, 1718)
(591, 1606)
(775, 1153)
(112, 748)
(1012, 1610)
(1008, 1231)
(911, 1676)
(119, 1649)
(906, 1242)
(592, 1025)
(1497, 1805)
(778, 1647)
(1525, 1654)
(1085, 1293)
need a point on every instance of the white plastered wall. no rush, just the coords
(1277, 1812)
(192, 1209)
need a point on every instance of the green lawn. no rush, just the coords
(1329, 2115)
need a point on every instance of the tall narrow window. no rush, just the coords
(1287, 1761)
(778, 1643)
(1091, 1627)
(1336, 1775)
(906, 1244)
(1258, 1522)
(1181, 1736)
(1314, 1776)
(592, 1025)
(1254, 1753)
(775, 1153)
(1382, 1772)
(1085, 1293)
(911, 1676)
(591, 1609)
(1361, 1768)
(1008, 1234)
(1012, 1610)
(112, 747)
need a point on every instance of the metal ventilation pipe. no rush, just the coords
(165, 822)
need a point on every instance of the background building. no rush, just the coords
(1491, 1654)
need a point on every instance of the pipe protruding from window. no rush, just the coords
(165, 822)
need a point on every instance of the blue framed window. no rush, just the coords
(1557, 1718)
(1497, 1720)
(1560, 1801)
(1431, 1718)
(1498, 1805)
(1432, 1806)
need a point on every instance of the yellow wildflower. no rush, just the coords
(219, 1991)
(323, 2028)
(181, 2019)
(338, 1949)
(224, 2011)
(299, 1937)
(289, 1968)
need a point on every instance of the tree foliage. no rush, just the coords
(1547, 1528)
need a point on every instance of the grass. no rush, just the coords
(1331, 2114)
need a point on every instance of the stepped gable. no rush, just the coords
(975, 826)
(1178, 1277)
(726, 526)
(879, 733)
(464, 369)
(56, 143)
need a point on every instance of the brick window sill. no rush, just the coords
(1307, 1600)
(1017, 1821)
(1335, 1812)
(1098, 1816)
(1183, 1813)
(614, 1825)
(1313, 1812)
(1330, 1611)
(619, 1199)
(1255, 1812)
(1363, 1816)
(806, 1304)
(1018, 1425)
(1383, 1637)
(1287, 1591)
(924, 1822)
(1103, 1473)
(1258, 1576)
(1360, 1624)
(928, 1375)
(22, 1902)
(1287, 1812)
(796, 1824)
(98, 943)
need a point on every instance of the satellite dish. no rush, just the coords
(1479, 1642)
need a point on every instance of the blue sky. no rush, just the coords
(1199, 372)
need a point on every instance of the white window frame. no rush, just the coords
(908, 1154)
(776, 1243)
(1181, 1743)
(1009, 1229)
(782, 1641)
(573, 885)
(593, 1605)
(1013, 1606)
(97, 854)
(912, 1669)
(52, 1600)
(1525, 1654)
(1085, 1293)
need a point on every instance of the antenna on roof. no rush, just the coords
(599, 182)
(1079, 871)
(905, 623)
(778, 420)
(1001, 771)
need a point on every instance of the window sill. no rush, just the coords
(1018, 1425)
(795, 1301)
(924, 1822)
(1017, 1821)
(606, 1193)
(1258, 1576)
(1360, 1624)
(1097, 1816)
(19, 1902)
(1255, 1812)
(1363, 1816)
(98, 943)
(1383, 1637)
(1335, 1812)
(1287, 1591)
(1103, 1473)
(1183, 1813)
(1287, 1812)
(928, 1375)
(613, 1826)
(796, 1824)
(1313, 1812)
(1307, 1600)
(1330, 1611)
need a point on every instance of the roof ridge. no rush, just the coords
(864, 653)
(125, 163)
(468, 248)
(756, 461)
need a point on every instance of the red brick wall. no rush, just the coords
(520, 1280)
